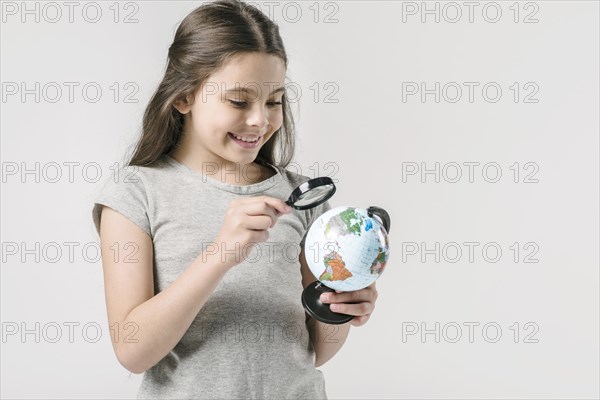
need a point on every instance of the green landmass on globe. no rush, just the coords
(335, 268)
(345, 223)
(379, 262)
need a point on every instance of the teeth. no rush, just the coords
(244, 139)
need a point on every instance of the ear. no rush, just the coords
(183, 105)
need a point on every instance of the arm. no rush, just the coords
(160, 321)
(327, 339)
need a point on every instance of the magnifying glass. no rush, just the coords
(311, 193)
(308, 195)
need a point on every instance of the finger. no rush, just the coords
(260, 208)
(258, 222)
(357, 309)
(357, 296)
(278, 204)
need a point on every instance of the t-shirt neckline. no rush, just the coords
(239, 189)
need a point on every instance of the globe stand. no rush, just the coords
(311, 300)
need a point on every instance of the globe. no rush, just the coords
(346, 249)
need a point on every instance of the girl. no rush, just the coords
(203, 272)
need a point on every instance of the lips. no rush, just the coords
(245, 144)
(246, 138)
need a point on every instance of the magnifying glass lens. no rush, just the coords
(312, 193)
(313, 196)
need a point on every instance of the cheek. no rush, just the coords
(222, 122)
(277, 119)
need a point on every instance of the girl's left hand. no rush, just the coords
(359, 303)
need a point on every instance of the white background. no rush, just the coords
(371, 135)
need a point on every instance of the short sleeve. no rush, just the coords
(125, 193)
(313, 214)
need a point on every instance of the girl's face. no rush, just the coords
(236, 111)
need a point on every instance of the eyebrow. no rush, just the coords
(246, 90)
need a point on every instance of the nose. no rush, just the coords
(258, 117)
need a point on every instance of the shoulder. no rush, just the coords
(129, 190)
(294, 178)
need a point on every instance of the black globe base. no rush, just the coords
(311, 300)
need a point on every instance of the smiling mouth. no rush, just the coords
(245, 139)
(245, 142)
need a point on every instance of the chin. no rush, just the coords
(241, 159)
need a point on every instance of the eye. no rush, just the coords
(241, 104)
(238, 103)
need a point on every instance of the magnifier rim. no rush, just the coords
(309, 185)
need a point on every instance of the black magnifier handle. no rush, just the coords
(384, 217)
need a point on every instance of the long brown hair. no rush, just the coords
(206, 39)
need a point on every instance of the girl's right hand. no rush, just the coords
(246, 223)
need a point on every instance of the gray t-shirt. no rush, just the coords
(250, 339)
